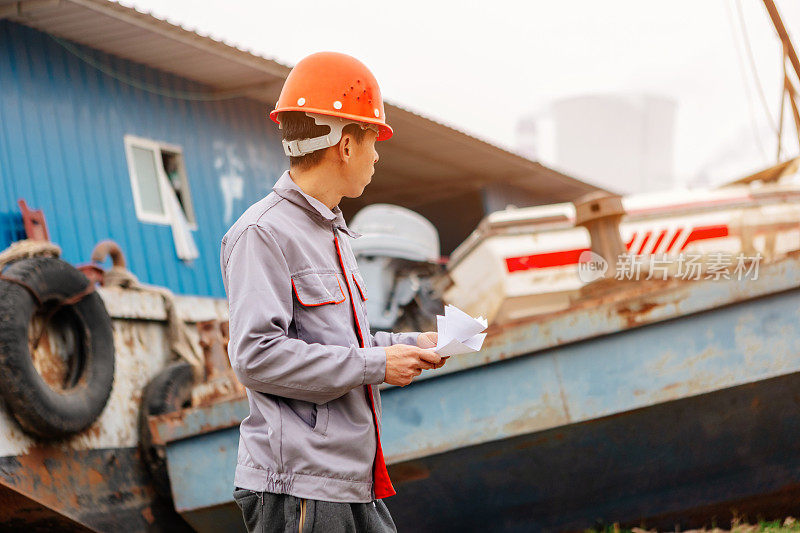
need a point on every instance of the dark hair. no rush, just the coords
(297, 125)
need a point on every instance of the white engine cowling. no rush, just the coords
(397, 253)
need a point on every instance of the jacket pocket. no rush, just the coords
(362, 288)
(321, 424)
(312, 415)
(313, 289)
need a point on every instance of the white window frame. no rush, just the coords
(157, 147)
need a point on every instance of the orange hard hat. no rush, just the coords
(336, 85)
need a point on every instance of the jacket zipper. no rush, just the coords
(302, 520)
(386, 489)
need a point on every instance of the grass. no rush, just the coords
(778, 526)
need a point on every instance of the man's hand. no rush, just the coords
(405, 362)
(429, 340)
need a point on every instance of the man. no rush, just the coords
(310, 457)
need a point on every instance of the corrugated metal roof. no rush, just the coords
(424, 157)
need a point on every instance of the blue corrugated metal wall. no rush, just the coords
(62, 124)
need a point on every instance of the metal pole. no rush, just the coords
(783, 34)
(783, 101)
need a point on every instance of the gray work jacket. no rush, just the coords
(295, 346)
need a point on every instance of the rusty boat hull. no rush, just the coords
(669, 404)
(97, 480)
(53, 488)
(659, 403)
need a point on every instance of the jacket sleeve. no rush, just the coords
(263, 356)
(383, 338)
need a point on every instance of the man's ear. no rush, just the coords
(346, 147)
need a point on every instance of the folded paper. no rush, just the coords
(458, 332)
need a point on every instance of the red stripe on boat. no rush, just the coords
(675, 239)
(644, 242)
(545, 260)
(658, 241)
(570, 257)
(706, 232)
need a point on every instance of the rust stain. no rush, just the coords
(68, 481)
(95, 477)
(700, 382)
(547, 413)
(127, 338)
(561, 393)
(147, 513)
(530, 443)
(223, 387)
(175, 419)
(614, 292)
(405, 472)
(213, 340)
(493, 453)
(690, 362)
(47, 358)
(636, 314)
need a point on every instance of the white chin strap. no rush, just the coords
(300, 147)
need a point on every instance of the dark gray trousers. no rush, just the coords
(265, 512)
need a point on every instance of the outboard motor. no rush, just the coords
(398, 256)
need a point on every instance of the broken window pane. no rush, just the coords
(176, 176)
(146, 176)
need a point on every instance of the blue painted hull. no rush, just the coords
(686, 413)
(684, 463)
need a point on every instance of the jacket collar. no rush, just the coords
(288, 189)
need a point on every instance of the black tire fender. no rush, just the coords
(170, 390)
(41, 409)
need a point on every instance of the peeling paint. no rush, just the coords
(142, 350)
(231, 182)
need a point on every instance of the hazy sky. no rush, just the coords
(480, 66)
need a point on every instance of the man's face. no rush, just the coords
(361, 164)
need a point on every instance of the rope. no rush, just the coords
(28, 248)
(742, 70)
(752, 62)
(177, 332)
(25, 249)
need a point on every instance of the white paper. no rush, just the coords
(458, 332)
